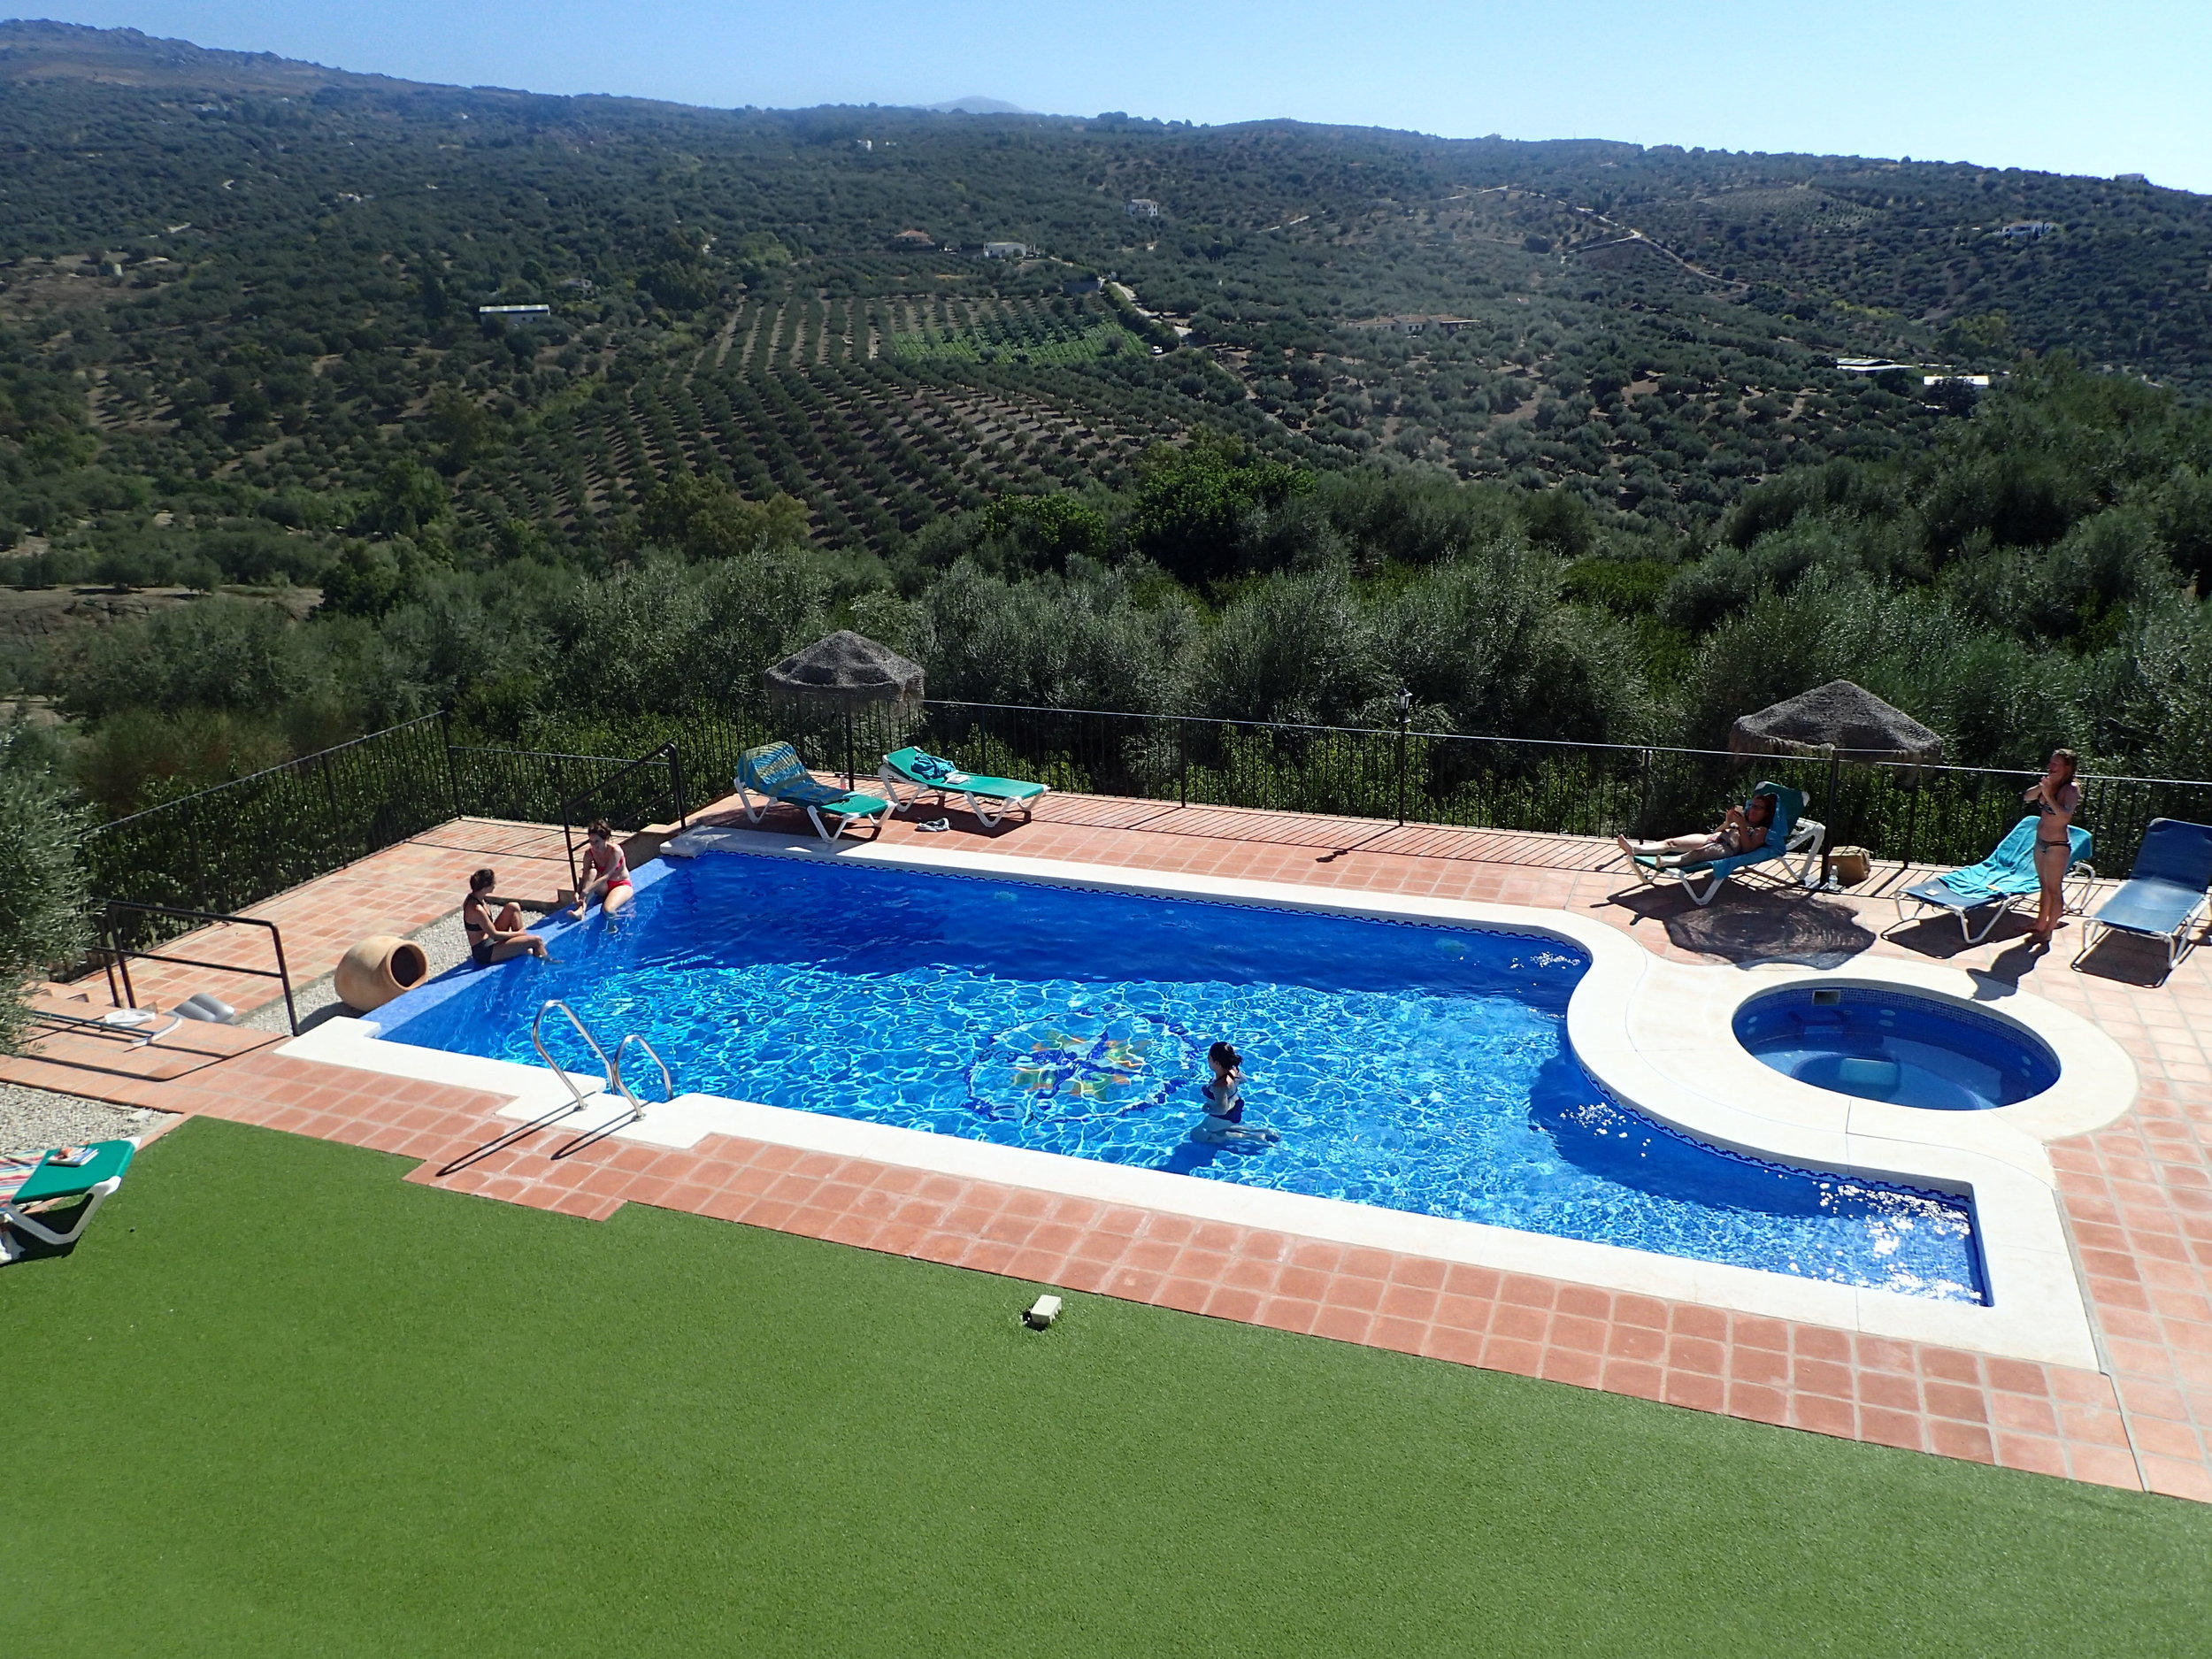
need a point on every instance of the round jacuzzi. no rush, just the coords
(1883, 1045)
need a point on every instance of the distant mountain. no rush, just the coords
(39, 51)
(974, 106)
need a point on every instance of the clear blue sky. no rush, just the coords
(2073, 86)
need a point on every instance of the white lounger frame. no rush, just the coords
(1807, 836)
(2179, 943)
(105, 1025)
(2075, 890)
(893, 781)
(753, 814)
(10, 1217)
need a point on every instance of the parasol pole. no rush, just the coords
(1828, 816)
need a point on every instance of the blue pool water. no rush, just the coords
(1420, 1068)
(1890, 1045)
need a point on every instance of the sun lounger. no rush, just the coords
(774, 771)
(990, 799)
(41, 1179)
(137, 1025)
(2005, 876)
(2165, 895)
(1791, 836)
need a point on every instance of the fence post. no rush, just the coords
(192, 841)
(330, 805)
(452, 774)
(1182, 760)
(1405, 720)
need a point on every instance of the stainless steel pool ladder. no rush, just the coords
(610, 1063)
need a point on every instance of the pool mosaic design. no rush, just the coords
(1416, 1067)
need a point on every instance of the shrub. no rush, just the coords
(42, 902)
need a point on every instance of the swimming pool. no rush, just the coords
(1888, 1044)
(1416, 1067)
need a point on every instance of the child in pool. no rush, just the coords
(1224, 1122)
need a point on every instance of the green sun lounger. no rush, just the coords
(1791, 836)
(2007, 874)
(93, 1179)
(990, 799)
(774, 771)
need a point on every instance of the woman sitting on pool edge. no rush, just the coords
(1225, 1124)
(606, 874)
(1744, 828)
(495, 938)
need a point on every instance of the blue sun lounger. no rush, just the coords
(775, 772)
(1791, 836)
(93, 1179)
(990, 799)
(2007, 875)
(2164, 895)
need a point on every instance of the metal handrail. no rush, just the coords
(614, 1072)
(668, 1083)
(611, 1062)
(117, 957)
(667, 754)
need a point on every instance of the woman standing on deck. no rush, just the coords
(2056, 797)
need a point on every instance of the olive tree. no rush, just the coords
(42, 903)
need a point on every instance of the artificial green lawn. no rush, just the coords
(279, 1401)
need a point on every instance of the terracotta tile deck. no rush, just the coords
(395, 891)
(2139, 1194)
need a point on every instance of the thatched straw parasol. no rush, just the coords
(840, 673)
(1830, 722)
(1838, 718)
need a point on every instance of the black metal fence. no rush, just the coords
(1938, 815)
(230, 847)
(226, 848)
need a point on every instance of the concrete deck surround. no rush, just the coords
(2125, 1190)
(1656, 1033)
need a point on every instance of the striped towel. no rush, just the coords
(17, 1167)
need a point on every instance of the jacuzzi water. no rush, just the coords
(1416, 1067)
(1895, 1047)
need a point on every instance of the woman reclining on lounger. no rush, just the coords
(1744, 827)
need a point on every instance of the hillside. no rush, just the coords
(1265, 420)
(266, 273)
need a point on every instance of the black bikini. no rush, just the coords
(479, 949)
(2043, 810)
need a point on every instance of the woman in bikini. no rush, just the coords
(606, 874)
(495, 938)
(1744, 828)
(2056, 797)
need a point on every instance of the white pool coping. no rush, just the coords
(1656, 1033)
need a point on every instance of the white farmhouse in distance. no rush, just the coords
(1141, 207)
(1006, 251)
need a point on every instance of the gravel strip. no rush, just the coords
(32, 1119)
(442, 942)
